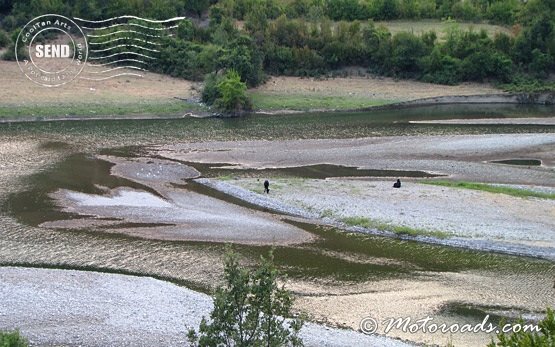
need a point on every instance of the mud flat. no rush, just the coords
(66, 307)
(492, 121)
(167, 212)
(460, 157)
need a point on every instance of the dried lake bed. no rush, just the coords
(85, 200)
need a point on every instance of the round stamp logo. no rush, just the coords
(51, 50)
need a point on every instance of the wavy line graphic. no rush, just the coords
(108, 77)
(131, 17)
(125, 38)
(136, 36)
(121, 53)
(128, 31)
(128, 60)
(116, 68)
(127, 46)
(130, 24)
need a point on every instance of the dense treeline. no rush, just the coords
(315, 37)
(310, 47)
(15, 13)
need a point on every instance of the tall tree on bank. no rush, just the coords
(250, 310)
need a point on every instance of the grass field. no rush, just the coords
(311, 102)
(398, 229)
(522, 193)
(149, 108)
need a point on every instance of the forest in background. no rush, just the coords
(257, 38)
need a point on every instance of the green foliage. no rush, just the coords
(226, 92)
(522, 193)
(397, 229)
(299, 38)
(12, 339)
(544, 338)
(251, 309)
(9, 54)
(4, 39)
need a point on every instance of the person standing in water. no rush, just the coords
(266, 187)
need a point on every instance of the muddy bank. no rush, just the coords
(65, 307)
(173, 213)
(492, 121)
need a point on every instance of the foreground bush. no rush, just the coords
(249, 310)
(12, 339)
(544, 338)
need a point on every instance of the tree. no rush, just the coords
(250, 310)
(545, 337)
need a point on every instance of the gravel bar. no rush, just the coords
(82, 308)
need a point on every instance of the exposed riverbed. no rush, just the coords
(64, 173)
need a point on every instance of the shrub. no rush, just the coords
(9, 54)
(250, 310)
(501, 12)
(4, 39)
(226, 92)
(12, 339)
(546, 336)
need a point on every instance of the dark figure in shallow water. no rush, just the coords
(266, 187)
(397, 184)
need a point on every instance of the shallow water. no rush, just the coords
(113, 133)
(523, 162)
(41, 157)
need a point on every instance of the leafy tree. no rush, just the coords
(546, 336)
(407, 51)
(250, 310)
(232, 94)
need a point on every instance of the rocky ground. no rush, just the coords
(75, 308)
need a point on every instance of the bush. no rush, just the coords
(439, 68)
(250, 310)
(12, 339)
(226, 92)
(408, 49)
(4, 39)
(465, 11)
(9, 54)
(546, 336)
(501, 12)
(210, 90)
